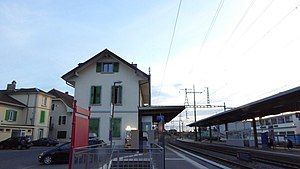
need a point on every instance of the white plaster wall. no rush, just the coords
(88, 77)
(60, 109)
(128, 119)
(128, 111)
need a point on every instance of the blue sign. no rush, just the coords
(160, 118)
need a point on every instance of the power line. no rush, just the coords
(237, 26)
(210, 28)
(270, 30)
(256, 19)
(170, 47)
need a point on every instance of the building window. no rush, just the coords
(116, 95)
(42, 117)
(1, 130)
(107, 67)
(268, 121)
(52, 107)
(11, 115)
(274, 121)
(95, 95)
(61, 134)
(288, 119)
(116, 123)
(280, 120)
(94, 126)
(62, 120)
(44, 101)
(290, 132)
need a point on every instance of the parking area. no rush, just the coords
(25, 159)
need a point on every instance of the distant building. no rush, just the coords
(24, 111)
(60, 124)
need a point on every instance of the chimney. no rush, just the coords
(67, 93)
(11, 86)
(135, 65)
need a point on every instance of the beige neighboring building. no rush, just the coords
(61, 115)
(24, 111)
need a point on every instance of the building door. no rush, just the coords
(15, 133)
(41, 133)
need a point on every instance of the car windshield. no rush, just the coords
(65, 146)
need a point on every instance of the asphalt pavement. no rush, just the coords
(25, 159)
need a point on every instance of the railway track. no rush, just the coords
(211, 152)
(213, 157)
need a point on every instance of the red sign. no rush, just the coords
(80, 129)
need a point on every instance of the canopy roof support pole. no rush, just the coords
(200, 137)
(254, 132)
(210, 135)
(226, 130)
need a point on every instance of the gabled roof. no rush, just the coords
(94, 59)
(7, 100)
(24, 90)
(68, 99)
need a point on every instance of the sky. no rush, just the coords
(250, 52)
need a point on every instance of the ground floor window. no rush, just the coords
(116, 123)
(61, 134)
(94, 126)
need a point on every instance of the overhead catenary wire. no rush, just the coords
(169, 51)
(270, 30)
(236, 27)
(210, 28)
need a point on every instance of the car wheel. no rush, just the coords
(47, 160)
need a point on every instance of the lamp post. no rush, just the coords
(112, 110)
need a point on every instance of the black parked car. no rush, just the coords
(45, 142)
(16, 142)
(58, 154)
(61, 153)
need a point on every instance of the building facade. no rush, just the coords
(32, 119)
(60, 123)
(107, 79)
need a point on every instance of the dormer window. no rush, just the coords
(107, 67)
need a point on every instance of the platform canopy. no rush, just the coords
(282, 102)
(169, 112)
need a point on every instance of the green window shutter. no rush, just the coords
(99, 67)
(14, 115)
(94, 125)
(7, 115)
(116, 67)
(116, 132)
(42, 117)
(92, 94)
(98, 94)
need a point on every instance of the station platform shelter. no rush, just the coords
(286, 101)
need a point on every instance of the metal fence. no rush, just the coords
(105, 157)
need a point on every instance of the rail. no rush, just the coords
(259, 156)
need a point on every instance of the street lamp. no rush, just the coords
(112, 110)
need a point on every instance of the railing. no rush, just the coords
(105, 157)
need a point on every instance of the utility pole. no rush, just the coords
(195, 111)
(186, 100)
(207, 94)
